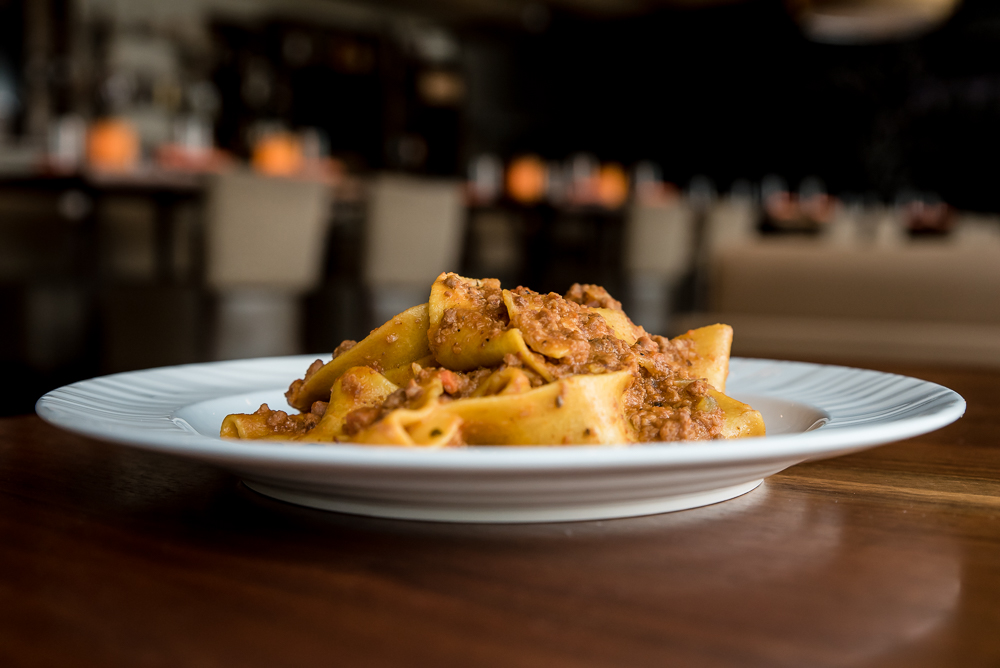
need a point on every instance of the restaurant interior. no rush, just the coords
(215, 179)
(199, 198)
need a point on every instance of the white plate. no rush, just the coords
(811, 412)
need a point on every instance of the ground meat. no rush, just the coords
(350, 385)
(395, 400)
(610, 353)
(280, 422)
(556, 327)
(694, 426)
(678, 353)
(404, 397)
(451, 381)
(655, 363)
(660, 409)
(293, 390)
(604, 355)
(573, 340)
(344, 346)
(360, 418)
(474, 378)
(296, 386)
(592, 295)
(671, 411)
(313, 368)
(413, 391)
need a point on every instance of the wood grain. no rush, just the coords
(889, 557)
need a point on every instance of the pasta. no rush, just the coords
(480, 365)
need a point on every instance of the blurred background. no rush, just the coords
(199, 180)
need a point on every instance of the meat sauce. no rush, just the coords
(663, 403)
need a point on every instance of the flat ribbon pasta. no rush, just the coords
(711, 358)
(254, 426)
(422, 425)
(578, 410)
(358, 387)
(392, 348)
(479, 365)
(468, 326)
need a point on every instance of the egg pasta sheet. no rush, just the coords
(480, 365)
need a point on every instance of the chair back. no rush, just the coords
(414, 230)
(659, 240)
(730, 222)
(265, 232)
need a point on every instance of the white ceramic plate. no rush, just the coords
(811, 412)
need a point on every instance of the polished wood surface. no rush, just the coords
(889, 557)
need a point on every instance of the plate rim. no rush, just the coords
(172, 435)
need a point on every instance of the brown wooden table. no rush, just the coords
(890, 557)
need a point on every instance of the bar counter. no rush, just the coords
(890, 557)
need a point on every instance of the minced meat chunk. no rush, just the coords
(280, 422)
(672, 411)
(592, 295)
(556, 327)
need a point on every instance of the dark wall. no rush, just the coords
(11, 46)
(738, 92)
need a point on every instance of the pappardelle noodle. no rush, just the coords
(479, 365)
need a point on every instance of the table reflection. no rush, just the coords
(745, 564)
